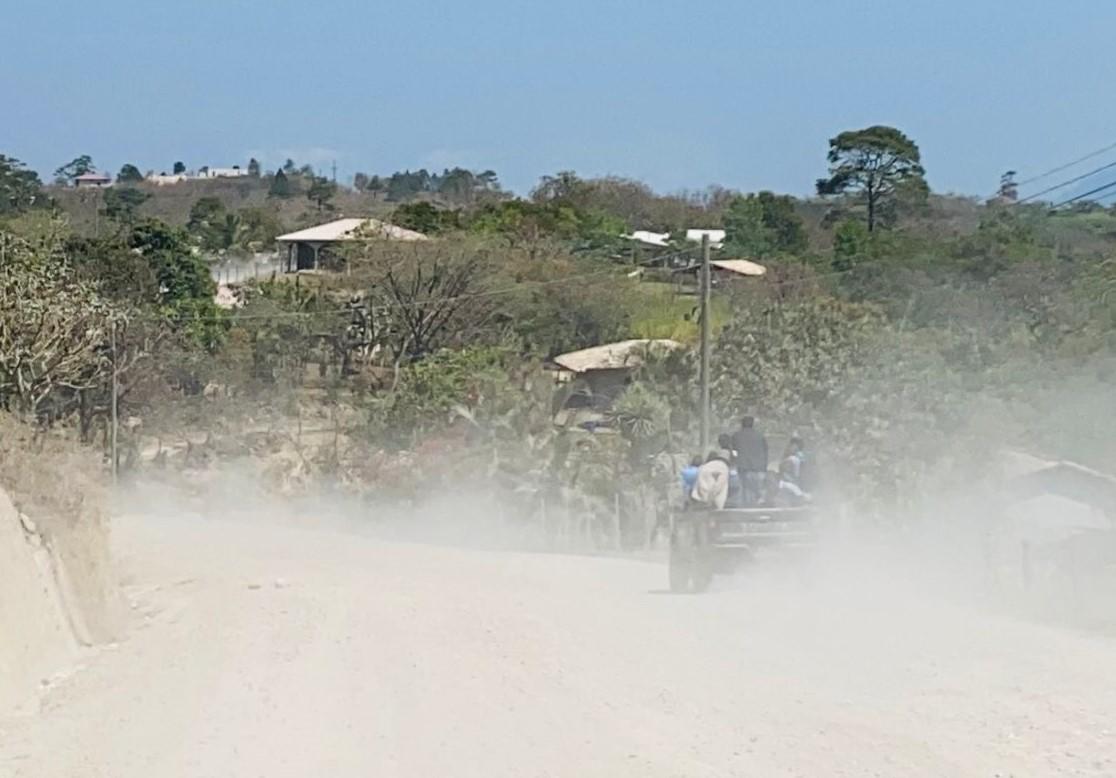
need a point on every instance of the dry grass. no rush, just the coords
(49, 477)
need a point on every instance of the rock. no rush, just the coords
(28, 524)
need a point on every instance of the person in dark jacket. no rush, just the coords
(751, 460)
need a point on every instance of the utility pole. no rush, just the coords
(706, 337)
(115, 461)
(335, 171)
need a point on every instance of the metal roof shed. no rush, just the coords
(303, 247)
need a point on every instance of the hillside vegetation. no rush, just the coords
(906, 335)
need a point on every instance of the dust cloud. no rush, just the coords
(289, 636)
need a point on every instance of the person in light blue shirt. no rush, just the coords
(689, 478)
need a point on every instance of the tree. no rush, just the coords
(404, 186)
(19, 187)
(878, 164)
(259, 226)
(78, 166)
(551, 318)
(360, 182)
(851, 242)
(489, 181)
(122, 204)
(280, 185)
(289, 167)
(746, 233)
(129, 174)
(179, 168)
(424, 217)
(53, 326)
(321, 191)
(186, 287)
(254, 167)
(228, 232)
(428, 296)
(206, 222)
(563, 187)
(1009, 189)
(522, 222)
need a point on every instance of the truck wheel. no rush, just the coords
(702, 571)
(681, 563)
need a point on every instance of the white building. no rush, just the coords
(222, 172)
(662, 239)
(716, 237)
(163, 179)
(92, 180)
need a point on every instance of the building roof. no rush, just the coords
(742, 267)
(716, 237)
(660, 239)
(613, 356)
(93, 176)
(350, 229)
(1028, 477)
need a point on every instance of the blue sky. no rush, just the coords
(679, 94)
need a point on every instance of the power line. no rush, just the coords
(1083, 195)
(607, 274)
(1064, 184)
(610, 271)
(1067, 165)
(520, 286)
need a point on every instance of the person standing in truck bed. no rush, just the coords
(751, 460)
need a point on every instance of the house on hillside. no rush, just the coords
(649, 239)
(223, 172)
(655, 249)
(92, 180)
(166, 179)
(309, 249)
(662, 239)
(716, 237)
(1087, 497)
(1060, 518)
(591, 379)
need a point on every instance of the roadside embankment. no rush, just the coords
(57, 592)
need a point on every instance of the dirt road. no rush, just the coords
(271, 652)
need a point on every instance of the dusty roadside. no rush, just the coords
(260, 650)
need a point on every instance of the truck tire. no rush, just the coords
(701, 574)
(681, 562)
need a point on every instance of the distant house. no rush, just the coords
(1028, 478)
(716, 237)
(657, 249)
(662, 239)
(92, 180)
(222, 172)
(307, 249)
(593, 378)
(1063, 517)
(164, 179)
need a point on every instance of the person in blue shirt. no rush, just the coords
(689, 477)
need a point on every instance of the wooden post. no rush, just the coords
(619, 524)
(113, 406)
(706, 336)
